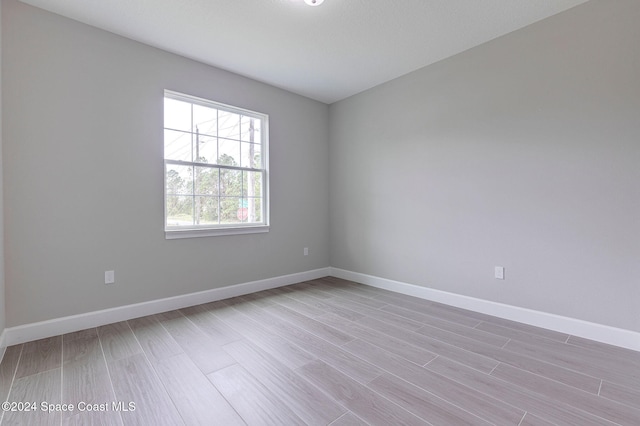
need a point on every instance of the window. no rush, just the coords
(215, 164)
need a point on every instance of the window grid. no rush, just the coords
(236, 173)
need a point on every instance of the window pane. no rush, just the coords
(205, 120)
(229, 153)
(249, 129)
(206, 210)
(177, 115)
(258, 159)
(228, 125)
(250, 156)
(177, 145)
(179, 210)
(252, 184)
(206, 181)
(254, 210)
(206, 150)
(257, 128)
(231, 183)
(243, 210)
(230, 209)
(179, 179)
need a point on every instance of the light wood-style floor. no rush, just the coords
(323, 352)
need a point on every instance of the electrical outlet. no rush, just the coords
(306, 251)
(499, 272)
(109, 277)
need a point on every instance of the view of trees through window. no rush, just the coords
(214, 165)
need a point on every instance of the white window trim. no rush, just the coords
(214, 232)
(172, 233)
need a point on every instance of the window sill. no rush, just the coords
(174, 234)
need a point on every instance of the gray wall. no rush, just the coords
(84, 173)
(2, 304)
(523, 152)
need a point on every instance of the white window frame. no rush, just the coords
(207, 230)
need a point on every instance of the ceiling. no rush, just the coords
(328, 52)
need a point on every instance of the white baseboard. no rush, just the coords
(575, 327)
(3, 344)
(55, 327)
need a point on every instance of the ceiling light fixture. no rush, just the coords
(313, 2)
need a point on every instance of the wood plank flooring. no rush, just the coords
(322, 352)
